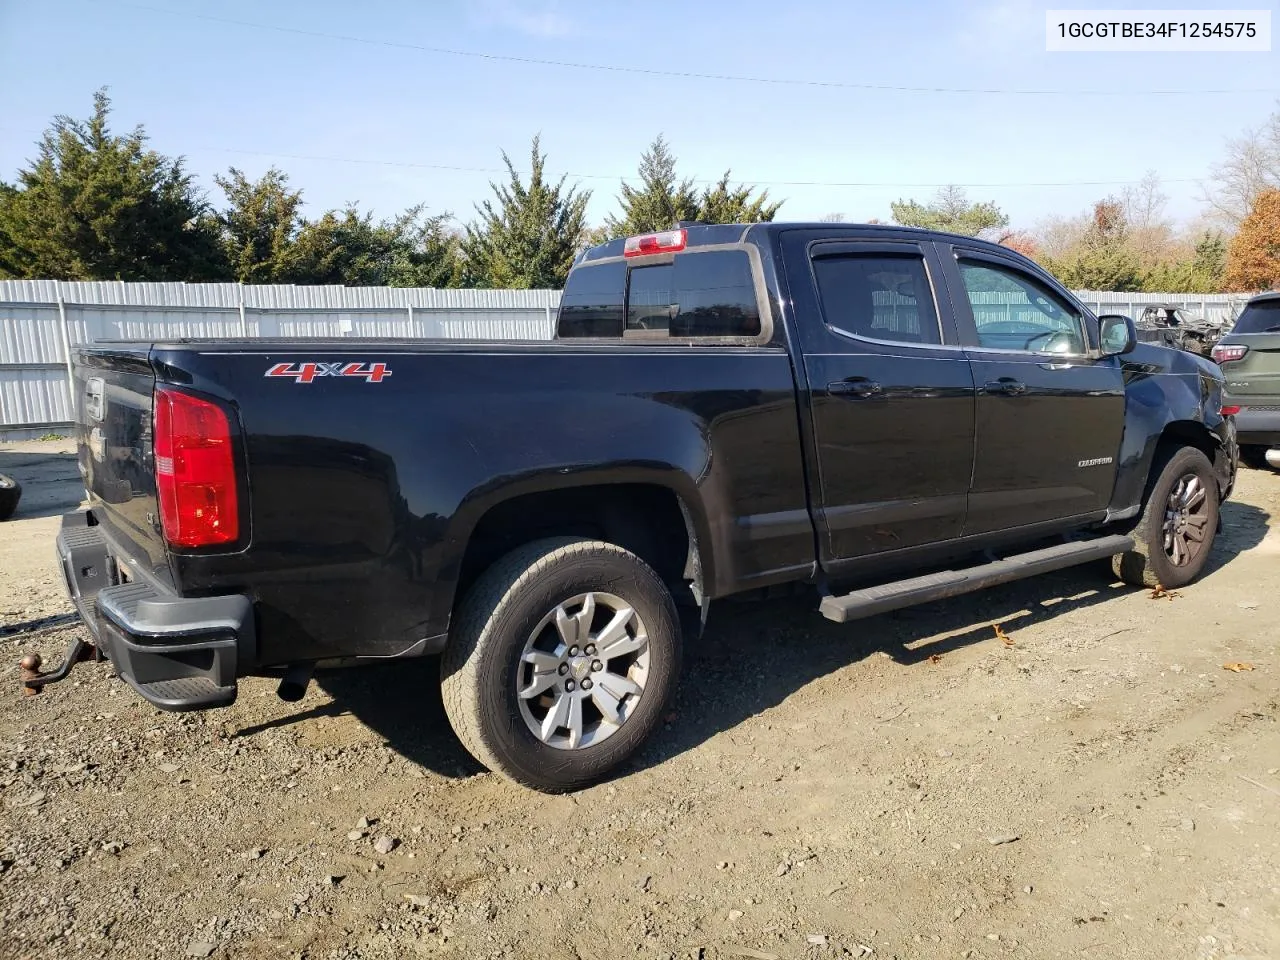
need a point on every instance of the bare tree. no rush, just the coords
(1144, 202)
(1057, 235)
(1150, 231)
(1251, 167)
(831, 218)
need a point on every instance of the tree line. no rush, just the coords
(95, 205)
(1126, 242)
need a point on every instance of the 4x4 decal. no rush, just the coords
(308, 371)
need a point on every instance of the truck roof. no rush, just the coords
(702, 235)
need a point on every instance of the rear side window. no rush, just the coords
(1262, 317)
(878, 296)
(593, 303)
(708, 294)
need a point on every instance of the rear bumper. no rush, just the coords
(178, 653)
(1258, 426)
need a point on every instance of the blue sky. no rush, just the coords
(228, 94)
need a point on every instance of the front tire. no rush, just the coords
(1174, 536)
(564, 656)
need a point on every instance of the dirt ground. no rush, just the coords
(907, 786)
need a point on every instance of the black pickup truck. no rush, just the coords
(888, 415)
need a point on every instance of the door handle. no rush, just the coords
(1007, 386)
(858, 387)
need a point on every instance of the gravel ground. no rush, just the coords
(1096, 786)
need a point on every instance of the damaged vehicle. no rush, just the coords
(1174, 325)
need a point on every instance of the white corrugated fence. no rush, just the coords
(40, 319)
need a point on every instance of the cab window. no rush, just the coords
(696, 295)
(1014, 311)
(878, 296)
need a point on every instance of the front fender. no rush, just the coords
(1169, 394)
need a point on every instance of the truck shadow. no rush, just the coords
(754, 655)
(750, 660)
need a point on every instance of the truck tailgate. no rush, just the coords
(115, 387)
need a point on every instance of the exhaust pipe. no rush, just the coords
(1273, 457)
(293, 685)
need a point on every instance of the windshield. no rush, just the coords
(1261, 317)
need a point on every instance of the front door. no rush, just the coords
(891, 395)
(1050, 417)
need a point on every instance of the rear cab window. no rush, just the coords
(594, 301)
(697, 294)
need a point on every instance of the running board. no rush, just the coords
(951, 583)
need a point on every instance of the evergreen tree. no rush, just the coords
(95, 206)
(1102, 259)
(426, 251)
(1200, 273)
(661, 200)
(1210, 261)
(348, 247)
(950, 211)
(727, 204)
(260, 225)
(528, 236)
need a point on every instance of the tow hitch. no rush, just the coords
(33, 681)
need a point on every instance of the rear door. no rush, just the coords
(1050, 417)
(892, 398)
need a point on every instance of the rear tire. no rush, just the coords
(526, 626)
(10, 494)
(1181, 504)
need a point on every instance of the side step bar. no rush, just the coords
(951, 583)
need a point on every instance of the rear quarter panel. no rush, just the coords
(363, 494)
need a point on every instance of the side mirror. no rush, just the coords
(1118, 335)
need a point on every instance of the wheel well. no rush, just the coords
(645, 519)
(1185, 433)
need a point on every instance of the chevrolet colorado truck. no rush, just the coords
(887, 415)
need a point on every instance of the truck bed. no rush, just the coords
(361, 489)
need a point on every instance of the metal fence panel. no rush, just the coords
(30, 333)
(118, 322)
(34, 398)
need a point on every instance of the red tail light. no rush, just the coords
(195, 471)
(1230, 409)
(671, 241)
(1226, 352)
